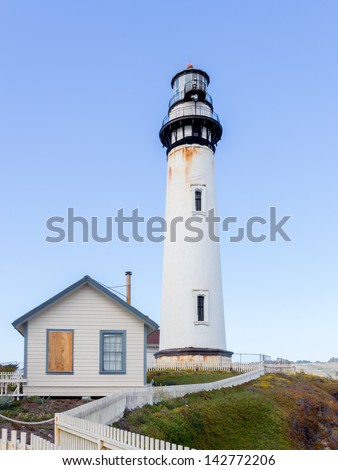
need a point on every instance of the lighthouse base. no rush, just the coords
(194, 358)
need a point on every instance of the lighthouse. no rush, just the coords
(192, 315)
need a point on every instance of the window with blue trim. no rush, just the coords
(113, 352)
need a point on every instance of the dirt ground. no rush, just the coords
(36, 409)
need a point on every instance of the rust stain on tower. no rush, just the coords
(187, 154)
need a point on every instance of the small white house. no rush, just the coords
(84, 341)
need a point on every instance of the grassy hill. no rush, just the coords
(182, 377)
(272, 412)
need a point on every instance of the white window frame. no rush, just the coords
(205, 294)
(202, 189)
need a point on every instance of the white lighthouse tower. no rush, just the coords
(192, 317)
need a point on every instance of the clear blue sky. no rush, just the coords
(84, 87)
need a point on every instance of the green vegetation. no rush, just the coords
(6, 402)
(37, 399)
(181, 377)
(10, 367)
(273, 412)
(34, 409)
(26, 410)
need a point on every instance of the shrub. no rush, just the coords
(38, 400)
(6, 402)
(10, 367)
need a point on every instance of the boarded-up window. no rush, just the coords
(60, 351)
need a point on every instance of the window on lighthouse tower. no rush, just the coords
(200, 308)
(198, 200)
(201, 301)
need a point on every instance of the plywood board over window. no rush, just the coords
(60, 351)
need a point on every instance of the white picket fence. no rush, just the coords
(81, 434)
(11, 384)
(85, 427)
(14, 442)
(186, 365)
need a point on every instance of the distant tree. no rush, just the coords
(9, 367)
(333, 359)
(302, 361)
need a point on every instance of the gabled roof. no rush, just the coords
(96, 285)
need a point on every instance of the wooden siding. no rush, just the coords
(86, 311)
